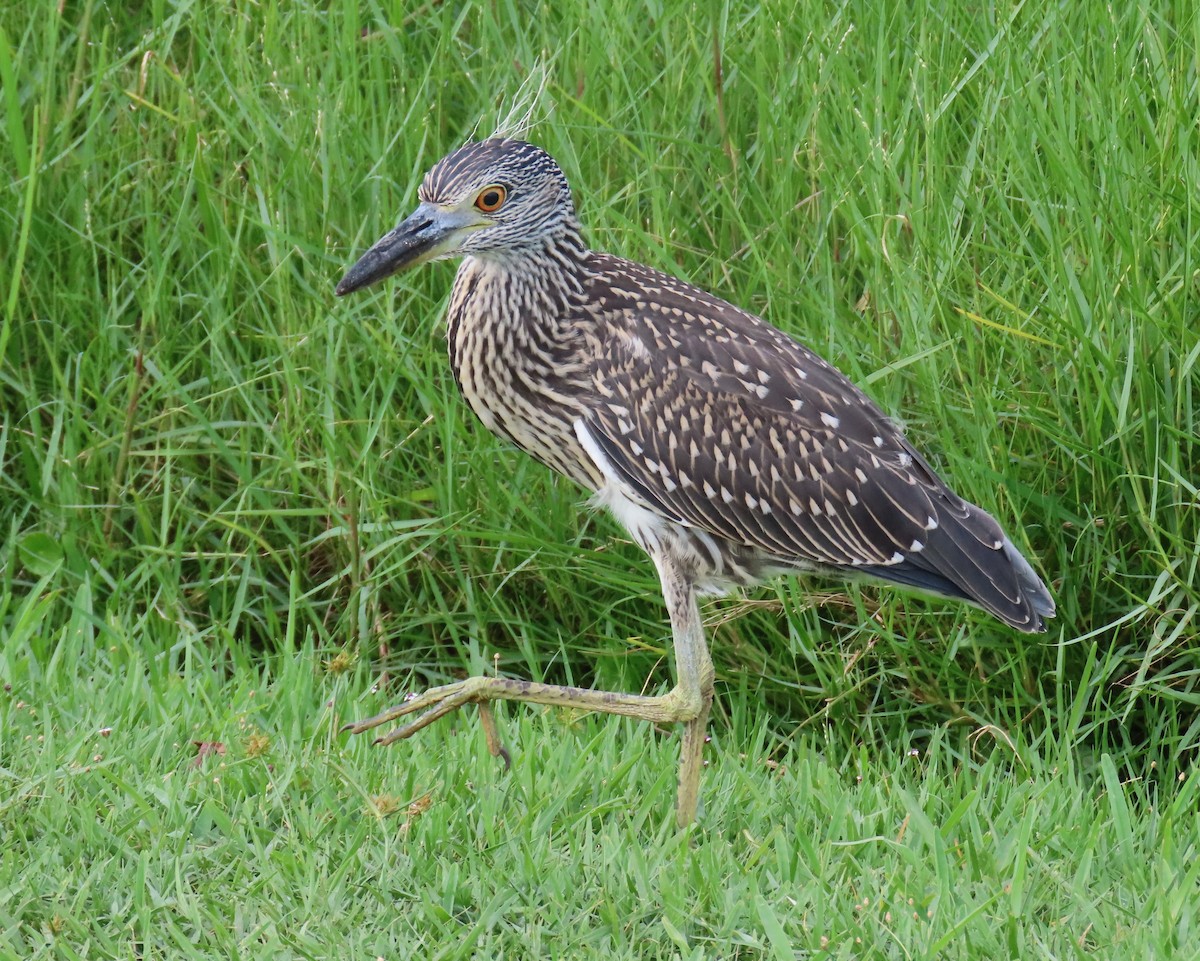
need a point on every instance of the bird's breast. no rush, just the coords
(523, 383)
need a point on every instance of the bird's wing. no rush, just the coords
(718, 462)
(723, 423)
(719, 421)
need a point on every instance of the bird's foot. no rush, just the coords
(680, 705)
(429, 706)
(495, 747)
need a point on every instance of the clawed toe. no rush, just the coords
(432, 704)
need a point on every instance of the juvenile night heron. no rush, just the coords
(729, 451)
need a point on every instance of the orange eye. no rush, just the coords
(491, 198)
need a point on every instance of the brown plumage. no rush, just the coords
(728, 450)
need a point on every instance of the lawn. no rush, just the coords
(236, 512)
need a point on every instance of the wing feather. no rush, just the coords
(724, 424)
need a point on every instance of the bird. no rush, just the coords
(728, 450)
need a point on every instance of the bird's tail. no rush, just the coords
(971, 558)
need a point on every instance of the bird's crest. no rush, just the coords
(528, 107)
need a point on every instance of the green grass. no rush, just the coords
(222, 491)
(294, 842)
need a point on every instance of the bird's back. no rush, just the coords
(723, 425)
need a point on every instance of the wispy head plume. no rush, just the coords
(529, 106)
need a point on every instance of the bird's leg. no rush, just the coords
(670, 708)
(688, 702)
(693, 678)
(691, 763)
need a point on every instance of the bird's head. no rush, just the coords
(492, 198)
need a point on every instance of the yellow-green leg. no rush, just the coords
(687, 703)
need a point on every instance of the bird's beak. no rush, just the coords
(431, 232)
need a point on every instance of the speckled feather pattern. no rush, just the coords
(708, 431)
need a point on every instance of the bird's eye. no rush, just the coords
(491, 198)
